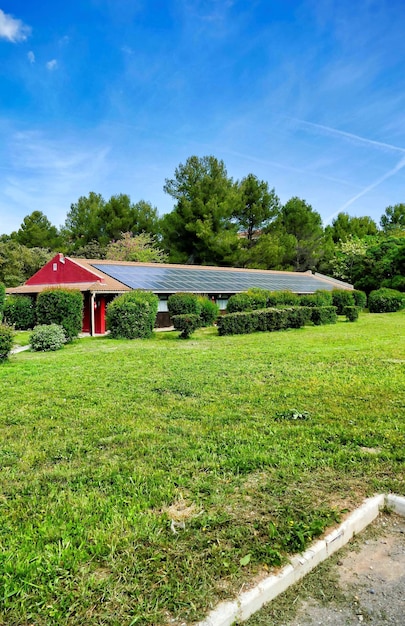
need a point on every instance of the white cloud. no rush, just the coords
(52, 65)
(31, 56)
(12, 29)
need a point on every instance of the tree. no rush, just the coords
(199, 229)
(298, 218)
(83, 223)
(348, 259)
(393, 218)
(18, 263)
(344, 227)
(36, 231)
(142, 248)
(256, 207)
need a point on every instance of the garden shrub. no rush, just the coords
(341, 299)
(360, 298)
(6, 341)
(238, 303)
(323, 315)
(2, 299)
(265, 320)
(63, 307)
(19, 311)
(385, 300)
(181, 303)
(298, 316)
(209, 311)
(47, 337)
(282, 298)
(318, 298)
(187, 323)
(258, 297)
(132, 315)
(238, 323)
(352, 313)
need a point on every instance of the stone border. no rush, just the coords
(249, 602)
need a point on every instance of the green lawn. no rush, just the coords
(105, 442)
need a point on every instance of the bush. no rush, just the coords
(47, 337)
(323, 315)
(360, 298)
(239, 323)
(19, 311)
(352, 313)
(238, 303)
(209, 311)
(180, 303)
(266, 320)
(298, 316)
(258, 297)
(132, 315)
(385, 301)
(341, 299)
(6, 341)
(187, 323)
(282, 298)
(63, 307)
(318, 298)
(2, 299)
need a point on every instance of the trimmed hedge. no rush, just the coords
(132, 315)
(282, 298)
(187, 323)
(19, 311)
(181, 303)
(323, 315)
(209, 311)
(6, 341)
(385, 300)
(2, 299)
(341, 299)
(258, 297)
(319, 298)
(238, 303)
(352, 313)
(63, 307)
(47, 338)
(360, 298)
(266, 320)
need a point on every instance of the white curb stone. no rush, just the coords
(249, 602)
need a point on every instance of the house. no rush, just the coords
(101, 281)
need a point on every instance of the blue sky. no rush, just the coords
(111, 95)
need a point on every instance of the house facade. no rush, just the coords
(101, 281)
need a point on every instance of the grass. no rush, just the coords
(144, 481)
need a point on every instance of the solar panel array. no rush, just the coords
(162, 279)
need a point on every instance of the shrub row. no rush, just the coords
(270, 319)
(188, 311)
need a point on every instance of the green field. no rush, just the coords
(144, 481)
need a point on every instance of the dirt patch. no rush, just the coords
(363, 583)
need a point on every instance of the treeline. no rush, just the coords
(215, 221)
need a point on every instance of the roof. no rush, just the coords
(119, 276)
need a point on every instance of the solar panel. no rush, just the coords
(168, 279)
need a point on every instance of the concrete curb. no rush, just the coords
(249, 602)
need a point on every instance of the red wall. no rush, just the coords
(62, 270)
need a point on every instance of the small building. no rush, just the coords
(101, 281)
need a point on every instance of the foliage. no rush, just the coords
(382, 264)
(209, 311)
(347, 258)
(6, 341)
(36, 231)
(352, 313)
(2, 299)
(385, 301)
(19, 311)
(63, 307)
(323, 315)
(316, 299)
(132, 315)
(142, 248)
(180, 303)
(18, 263)
(47, 338)
(256, 206)
(91, 250)
(360, 298)
(345, 227)
(342, 298)
(187, 323)
(258, 297)
(199, 229)
(393, 218)
(239, 302)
